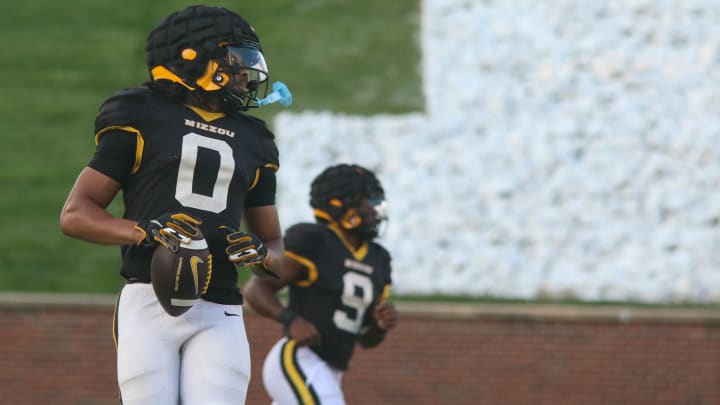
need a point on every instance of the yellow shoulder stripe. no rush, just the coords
(312, 270)
(256, 180)
(139, 145)
(257, 174)
(386, 293)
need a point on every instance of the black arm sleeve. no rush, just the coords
(115, 155)
(264, 191)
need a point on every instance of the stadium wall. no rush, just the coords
(59, 350)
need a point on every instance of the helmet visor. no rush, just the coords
(250, 60)
(374, 218)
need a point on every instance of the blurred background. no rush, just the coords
(567, 150)
(530, 150)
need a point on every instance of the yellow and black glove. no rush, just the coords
(169, 230)
(245, 249)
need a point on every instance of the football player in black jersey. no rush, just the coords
(185, 156)
(338, 282)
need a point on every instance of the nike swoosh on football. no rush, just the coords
(230, 314)
(193, 266)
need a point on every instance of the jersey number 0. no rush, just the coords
(217, 201)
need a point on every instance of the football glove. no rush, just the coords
(245, 249)
(169, 230)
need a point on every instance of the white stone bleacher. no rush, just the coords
(568, 150)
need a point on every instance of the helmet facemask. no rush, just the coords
(242, 75)
(374, 217)
(235, 78)
(380, 210)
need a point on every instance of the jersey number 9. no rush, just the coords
(357, 294)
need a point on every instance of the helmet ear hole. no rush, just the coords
(221, 79)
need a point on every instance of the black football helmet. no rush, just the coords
(211, 52)
(350, 196)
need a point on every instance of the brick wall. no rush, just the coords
(59, 350)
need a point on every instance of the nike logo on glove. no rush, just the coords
(230, 314)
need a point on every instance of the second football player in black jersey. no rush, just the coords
(338, 280)
(188, 161)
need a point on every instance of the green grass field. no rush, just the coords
(60, 60)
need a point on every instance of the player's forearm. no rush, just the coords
(276, 254)
(263, 298)
(85, 216)
(94, 224)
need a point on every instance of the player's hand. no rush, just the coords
(169, 230)
(303, 332)
(245, 249)
(385, 315)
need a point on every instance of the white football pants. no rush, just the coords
(199, 358)
(296, 375)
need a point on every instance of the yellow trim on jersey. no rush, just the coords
(206, 115)
(312, 269)
(139, 145)
(385, 294)
(114, 323)
(359, 253)
(257, 174)
(256, 180)
(296, 380)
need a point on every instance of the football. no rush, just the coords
(180, 278)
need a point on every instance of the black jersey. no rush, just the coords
(339, 289)
(170, 157)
